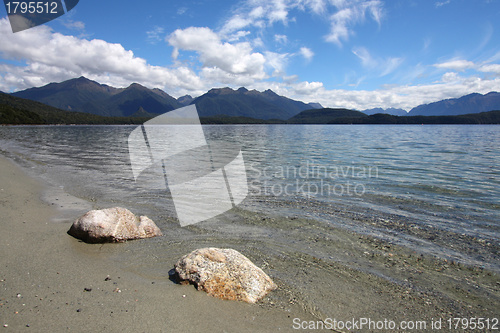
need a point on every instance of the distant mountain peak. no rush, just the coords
(221, 91)
(81, 83)
(471, 103)
(242, 90)
(269, 92)
(391, 111)
(84, 80)
(185, 100)
(137, 86)
(315, 105)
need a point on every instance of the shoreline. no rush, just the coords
(264, 124)
(44, 273)
(49, 270)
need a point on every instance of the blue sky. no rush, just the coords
(357, 54)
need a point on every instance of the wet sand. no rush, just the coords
(50, 281)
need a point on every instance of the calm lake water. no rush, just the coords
(424, 187)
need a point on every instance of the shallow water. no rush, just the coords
(442, 179)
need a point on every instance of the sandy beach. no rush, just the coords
(44, 275)
(51, 282)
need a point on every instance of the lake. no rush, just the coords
(433, 190)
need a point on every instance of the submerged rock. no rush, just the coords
(224, 273)
(112, 225)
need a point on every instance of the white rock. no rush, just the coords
(112, 225)
(224, 273)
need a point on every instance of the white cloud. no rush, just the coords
(238, 35)
(442, 3)
(282, 39)
(278, 12)
(343, 15)
(491, 68)
(182, 10)
(216, 77)
(276, 61)
(450, 77)
(390, 65)
(307, 53)
(75, 25)
(232, 58)
(155, 35)
(53, 57)
(365, 57)
(235, 23)
(290, 79)
(382, 66)
(257, 13)
(339, 29)
(316, 6)
(350, 13)
(459, 65)
(257, 42)
(307, 88)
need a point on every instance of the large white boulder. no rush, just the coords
(224, 273)
(112, 225)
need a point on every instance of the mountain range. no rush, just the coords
(248, 103)
(84, 95)
(20, 111)
(391, 111)
(472, 103)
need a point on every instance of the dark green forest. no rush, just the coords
(19, 111)
(491, 117)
